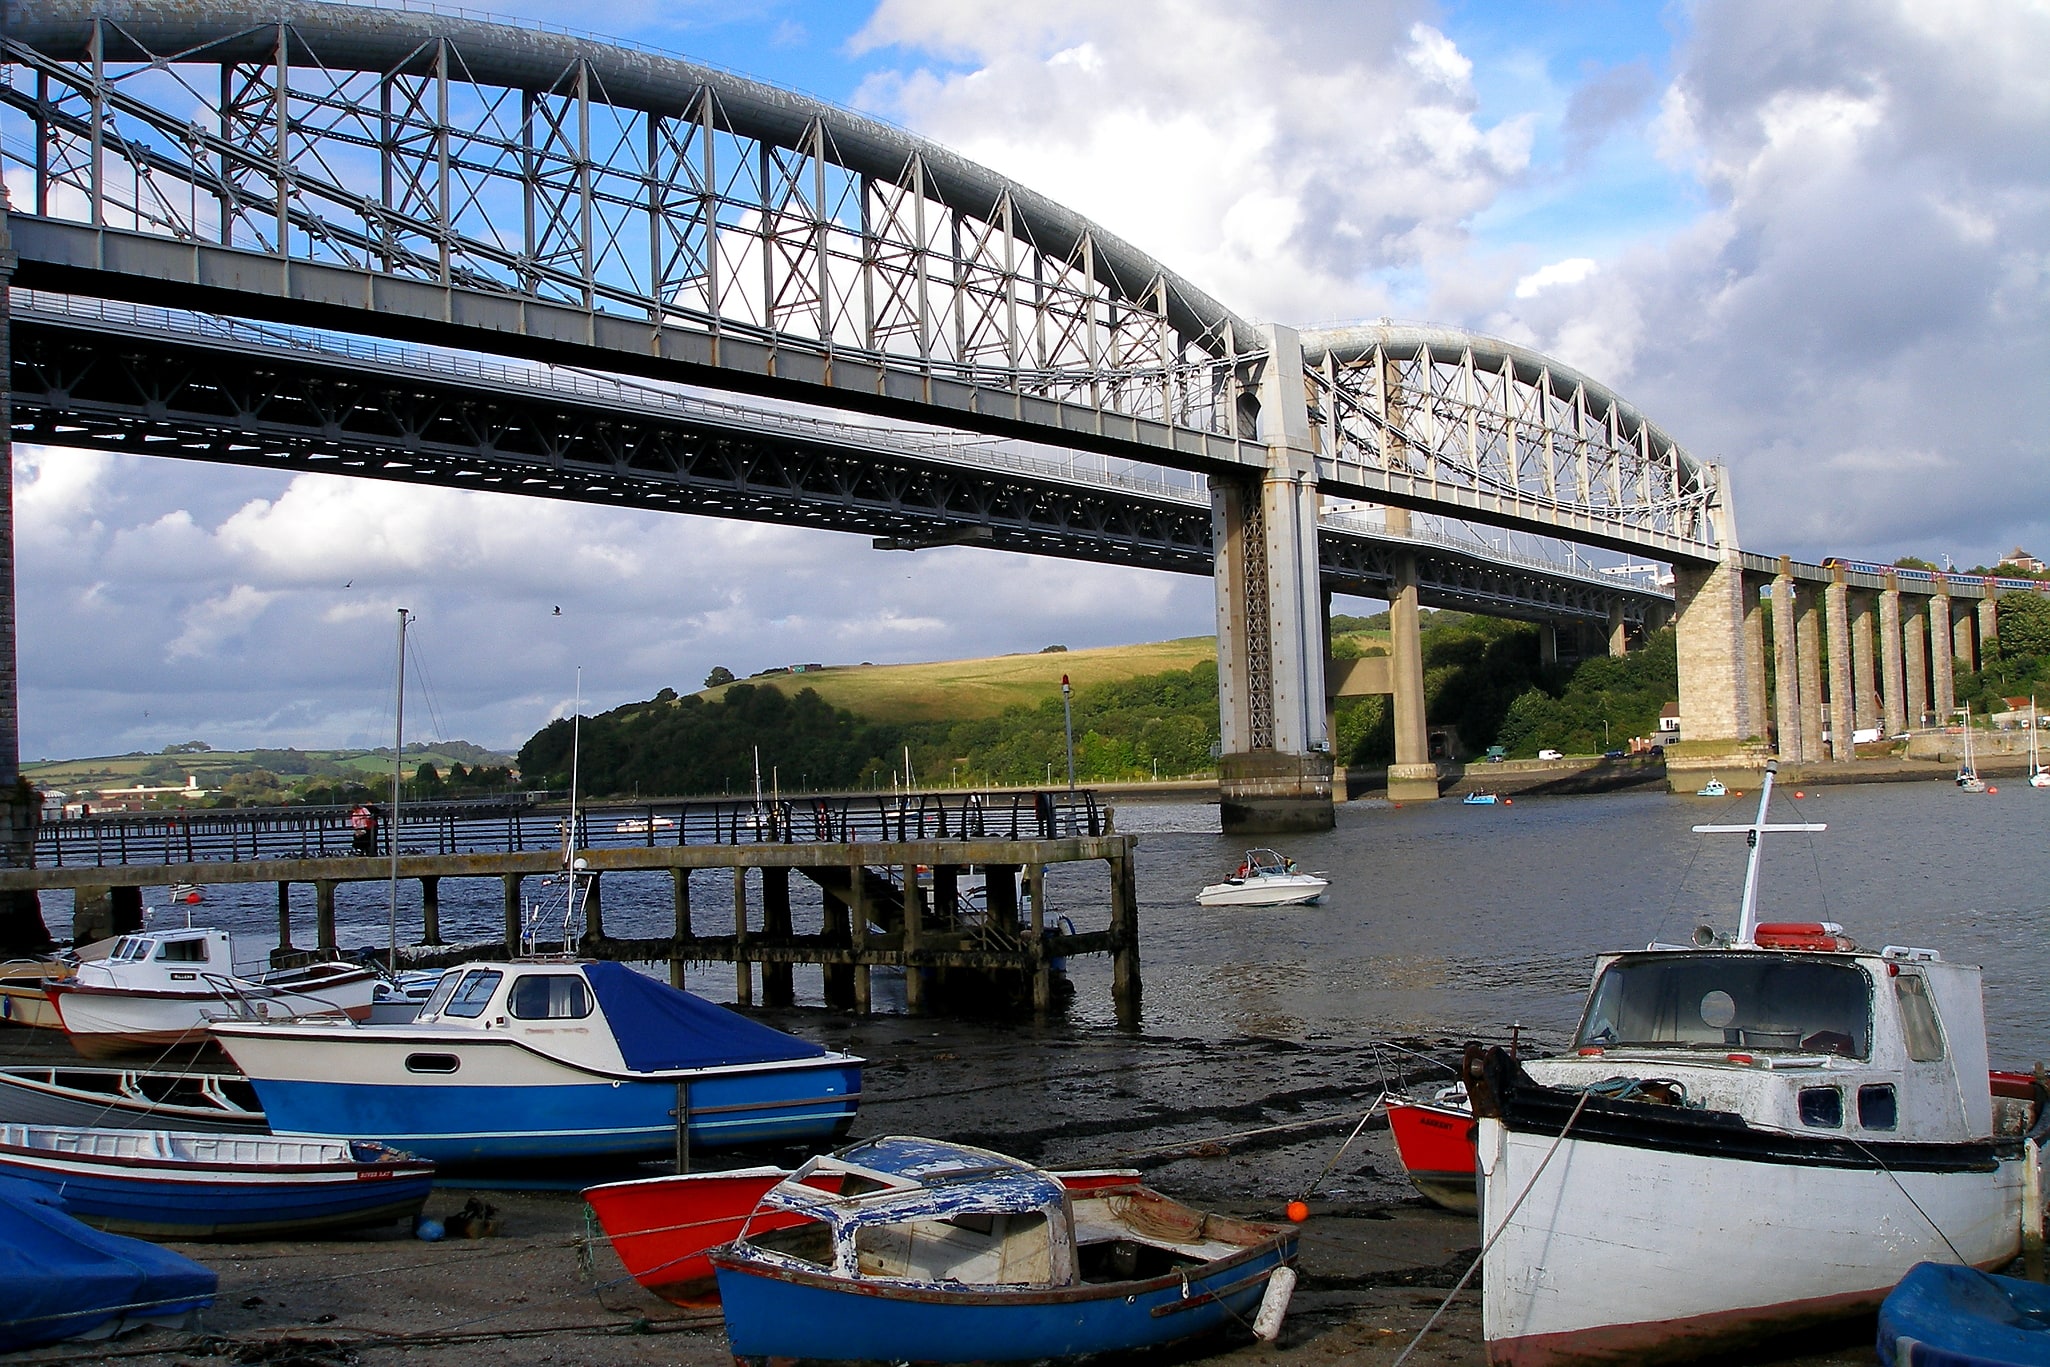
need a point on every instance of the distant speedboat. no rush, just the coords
(159, 988)
(1265, 878)
(1481, 799)
(643, 825)
(1713, 788)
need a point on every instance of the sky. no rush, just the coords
(1810, 241)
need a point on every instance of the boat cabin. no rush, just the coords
(1799, 1033)
(162, 957)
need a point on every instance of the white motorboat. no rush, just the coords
(160, 988)
(1752, 1134)
(1265, 878)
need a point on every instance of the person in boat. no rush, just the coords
(363, 821)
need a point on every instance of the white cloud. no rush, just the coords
(1571, 271)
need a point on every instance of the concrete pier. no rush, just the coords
(1837, 602)
(1893, 679)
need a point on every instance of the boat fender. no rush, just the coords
(1274, 1304)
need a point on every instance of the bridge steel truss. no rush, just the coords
(142, 382)
(504, 190)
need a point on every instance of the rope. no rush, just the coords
(1500, 1229)
(1369, 1115)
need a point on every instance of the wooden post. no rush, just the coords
(1124, 939)
(430, 909)
(914, 916)
(324, 913)
(857, 930)
(679, 891)
(837, 936)
(594, 909)
(512, 912)
(1035, 939)
(743, 971)
(284, 916)
(778, 986)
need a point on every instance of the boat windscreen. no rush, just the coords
(1731, 1001)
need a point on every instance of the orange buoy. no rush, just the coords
(1298, 1211)
(1798, 793)
(1991, 789)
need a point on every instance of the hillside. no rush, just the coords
(965, 690)
(252, 774)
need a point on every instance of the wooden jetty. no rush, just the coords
(889, 870)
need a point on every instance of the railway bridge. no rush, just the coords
(259, 233)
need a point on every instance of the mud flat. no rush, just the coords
(1240, 1125)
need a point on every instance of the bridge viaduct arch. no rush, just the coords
(537, 195)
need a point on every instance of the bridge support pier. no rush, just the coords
(1989, 621)
(1942, 668)
(1837, 601)
(1413, 777)
(1964, 645)
(1786, 668)
(1808, 646)
(1893, 680)
(1720, 633)
(22, 930)
(1915, 652)
(1864, 665)
(1274, 769)
(1756, 719)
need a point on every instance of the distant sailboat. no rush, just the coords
(2038, 777)
(1967, 772)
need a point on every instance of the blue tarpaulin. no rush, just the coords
(63, 1278)
(660, 1027)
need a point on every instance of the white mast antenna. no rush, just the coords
(1747, 920)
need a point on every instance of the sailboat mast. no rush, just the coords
(398, 760)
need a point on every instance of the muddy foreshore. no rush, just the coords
(1240, 1125)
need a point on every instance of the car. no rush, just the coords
(1612, 754)
(1550, 754)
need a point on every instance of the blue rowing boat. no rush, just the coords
(547, 1058)
(1948, 1315)
(906, 1249)
(163, 1184)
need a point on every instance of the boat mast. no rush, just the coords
(1747, 919)
(398, 759)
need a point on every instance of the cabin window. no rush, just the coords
(1742, 1000)
(432, 1063)
(1918, 1018)
(128, 947)
(550, 996)
(1877, 1108)
(1822, 1108)
(473, 993)
(810, 1241)
(182, 952)
(439, 997)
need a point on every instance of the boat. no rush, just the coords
(129, 1098)
(1944, 1315)
(160, 988)
(643, 825)
(65, 1280)
(1713, 788)
(185, 893)
(163, 1184)
(398, 997)
(665, 1228)
(1967, 772)
(1481, 799)
(547, 1057)
(926, 1251)
(2039, 777)
(1434, 1140)
(23, 1001)
(1265, 878)
(1750, 1135)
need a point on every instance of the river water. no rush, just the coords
(1442, 920)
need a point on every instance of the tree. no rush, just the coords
(2024, 625)
(719, 677)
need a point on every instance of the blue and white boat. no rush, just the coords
(65, 1280)
(904, 1249)
(164, 1184)
(1481, 799)
(547, 1058)
(1945, 1315)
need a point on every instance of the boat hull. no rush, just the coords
(1435, 1144)
(118, 1098)
(1704, 1251)
(107, 1021)
(492, 1098)
(26, 1003)
(777, 1312)
(213, 1186)
(1292, 891)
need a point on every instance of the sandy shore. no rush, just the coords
(1239, 1126)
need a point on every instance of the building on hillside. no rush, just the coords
(2023, 561)
(147, 795)
(1669, 719)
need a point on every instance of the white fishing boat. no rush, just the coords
(1265, 878)
(160, 988)
(644, 825)
(1967, 771)
(1751, 1135)
(1713, 788)
(2038, 777)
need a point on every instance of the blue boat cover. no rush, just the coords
(1944, 1315)
(660, 1027)
(63, 1278)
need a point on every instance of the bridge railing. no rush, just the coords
(518, 823)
